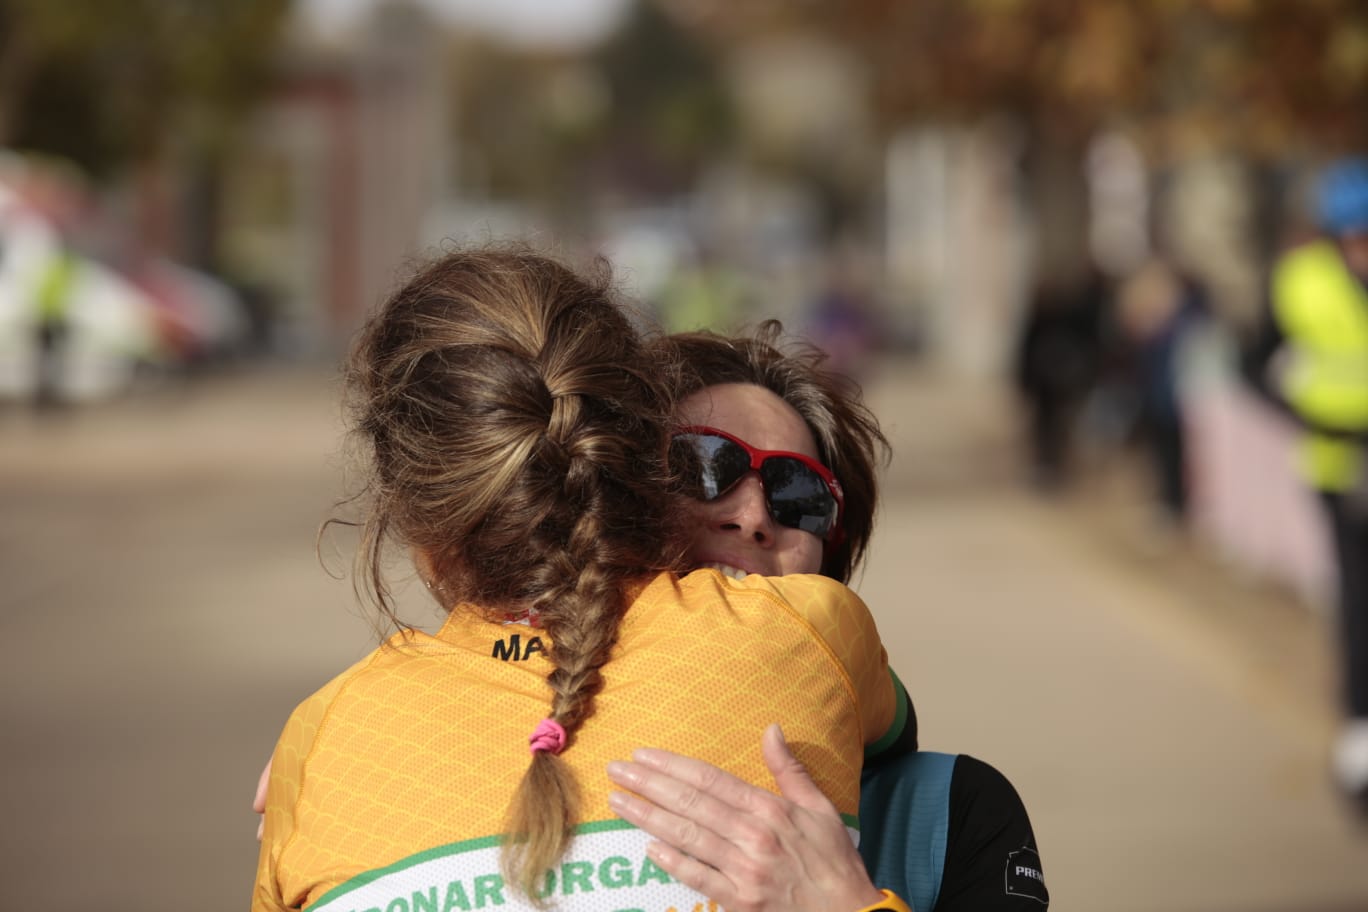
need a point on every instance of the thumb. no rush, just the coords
(789, 773)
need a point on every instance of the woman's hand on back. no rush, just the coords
(259, 802)
(742, 846)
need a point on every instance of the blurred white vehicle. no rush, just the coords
(110, 325)
(197, 315)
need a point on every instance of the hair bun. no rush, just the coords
(565, 412)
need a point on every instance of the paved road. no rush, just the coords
(163, 609)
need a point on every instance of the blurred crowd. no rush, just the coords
(1132, 358)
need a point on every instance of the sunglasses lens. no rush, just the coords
(798, 497)
(708, 465)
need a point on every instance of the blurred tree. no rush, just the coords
(638, 115)
(1262, 80)
(1295, 68)
(113, 89)
(514, 141)
(104, 87)
(669, 112)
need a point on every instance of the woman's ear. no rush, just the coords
(427, 570)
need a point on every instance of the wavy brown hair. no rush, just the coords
(849, 441)
(517, 434)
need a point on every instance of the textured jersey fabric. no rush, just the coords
(389, 786)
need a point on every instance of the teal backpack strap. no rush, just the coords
(904, 819)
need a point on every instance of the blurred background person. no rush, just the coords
(703, 292)
(1157, 309)
(1058, 363)
(52, 299)
(1318, 327)
(844, 318)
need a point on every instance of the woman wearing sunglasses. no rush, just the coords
(516, 433)
(781, 454)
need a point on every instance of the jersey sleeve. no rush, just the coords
(992, 863)
(843, 622)
(283, 791)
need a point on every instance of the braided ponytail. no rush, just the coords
(518, 433)
(581, 620)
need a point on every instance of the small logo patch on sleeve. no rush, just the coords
(1025, 876)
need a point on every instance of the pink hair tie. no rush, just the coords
(549, 735)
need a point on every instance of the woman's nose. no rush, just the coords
(743, 509)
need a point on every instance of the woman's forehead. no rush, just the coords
(752, 413)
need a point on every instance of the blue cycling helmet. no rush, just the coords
(1344, 197)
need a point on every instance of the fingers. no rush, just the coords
(742, 846)
(789, 773)
(728, 873)
(674, 813)
(693, 873)
(697, 774)
(259, 802)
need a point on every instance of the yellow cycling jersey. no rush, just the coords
(389, 786)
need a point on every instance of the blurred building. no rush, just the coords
(345, 161)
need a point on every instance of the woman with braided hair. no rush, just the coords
(518, 436)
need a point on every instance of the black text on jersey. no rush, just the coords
(513, 650)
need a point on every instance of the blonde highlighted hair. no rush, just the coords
(517, 433)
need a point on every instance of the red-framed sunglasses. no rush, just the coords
(800, 492)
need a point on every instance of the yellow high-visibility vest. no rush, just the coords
(1322, 309)
(53, 295)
